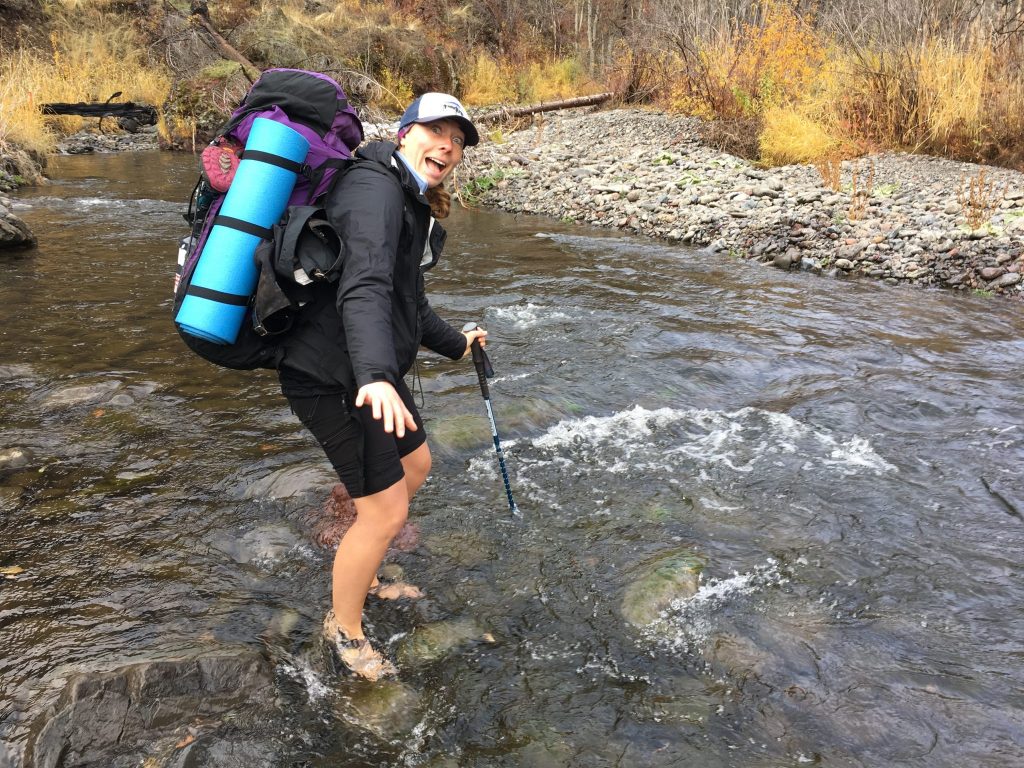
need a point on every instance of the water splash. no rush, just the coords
(688, 622)
(300, 670)
(741, 441)
(523, 316)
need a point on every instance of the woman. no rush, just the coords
(344, 363)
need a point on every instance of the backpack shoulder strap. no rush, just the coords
(341, 164)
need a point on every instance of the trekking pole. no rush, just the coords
(484, 371)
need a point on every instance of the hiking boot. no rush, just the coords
(357, 656)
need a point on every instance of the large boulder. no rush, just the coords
(14, 233)
(113, 718)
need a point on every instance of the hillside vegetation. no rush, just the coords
(778, 81)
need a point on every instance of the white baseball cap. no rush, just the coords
(438, 106)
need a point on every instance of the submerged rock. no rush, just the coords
(459, 432)
(223, 751)
(328, 523)
(14, 458)
(289, 483)
(81, 394)
(112, 718)
(668, 578)
(468, 548)
(265, 544)
(389, 708)
(434, 641)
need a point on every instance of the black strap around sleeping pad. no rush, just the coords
(221, 297)
(243, 226)
(271, 159)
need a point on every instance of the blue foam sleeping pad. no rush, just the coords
(258, 195)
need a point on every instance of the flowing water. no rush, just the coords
(841, 459)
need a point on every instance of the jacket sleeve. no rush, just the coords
(439, 336)
(366, 208)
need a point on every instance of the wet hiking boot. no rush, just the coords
(357, 656)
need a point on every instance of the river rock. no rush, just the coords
(288, 483)
(388, 709)
(431, 642)
(14, 233)
(15, 458)
(223, 750)
(88, 141)
(263, 545)
(783, 260)
(84, 394)
(112, 718)
(670, 577)
(459, 432)
(1005, 281)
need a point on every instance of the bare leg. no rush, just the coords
(379, 517)
(417, 466)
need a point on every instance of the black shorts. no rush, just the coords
(366, 458)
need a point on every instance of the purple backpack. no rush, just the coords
(312, 104)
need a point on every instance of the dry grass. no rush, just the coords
(21, 74)
(488, 82)
(789, 135)
(780, 87)
(553, 79)
(959, 99)
(830, 168)
(775, 62)
(979, 198)
(862, 184)
(815, 95)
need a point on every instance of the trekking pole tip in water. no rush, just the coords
(484, 371)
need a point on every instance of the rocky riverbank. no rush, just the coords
(895, 217)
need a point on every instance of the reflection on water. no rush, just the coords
(839, 461)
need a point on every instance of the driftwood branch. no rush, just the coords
(548, 106)
(202, 16)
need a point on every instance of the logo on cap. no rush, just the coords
(455, 107)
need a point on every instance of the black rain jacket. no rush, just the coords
(370, 326)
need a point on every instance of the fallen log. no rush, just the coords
(548, 106)
(143, 113)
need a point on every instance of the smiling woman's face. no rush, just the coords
(433, 149)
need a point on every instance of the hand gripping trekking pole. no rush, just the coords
(484, 371)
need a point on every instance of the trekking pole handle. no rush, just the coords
(483, 365)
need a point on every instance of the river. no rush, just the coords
(842, 459)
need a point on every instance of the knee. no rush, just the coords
(417, 466)
(394, 519)
(383, 514)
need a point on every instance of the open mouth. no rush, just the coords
(436, 164)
